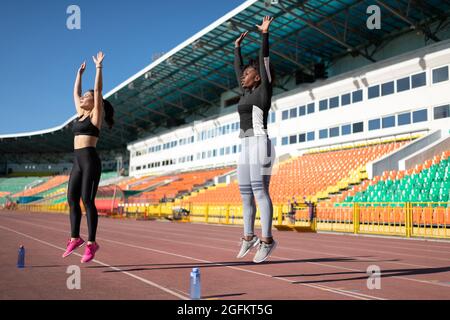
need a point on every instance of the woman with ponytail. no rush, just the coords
(87, 167)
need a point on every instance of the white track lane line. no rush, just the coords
(103, 264)
(319, 287)
(284, 258)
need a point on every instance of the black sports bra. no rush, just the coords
(85, 127)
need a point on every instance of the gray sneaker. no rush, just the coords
(264, 251)
(246, 246)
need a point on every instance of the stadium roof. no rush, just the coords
(191, 77)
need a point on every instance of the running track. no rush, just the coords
(153, 259)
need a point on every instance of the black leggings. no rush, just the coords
(83, 183)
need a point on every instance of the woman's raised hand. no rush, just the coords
(238, 41)
(99, 59)
(82, 68)
(264, 27)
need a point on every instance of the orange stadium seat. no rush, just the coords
(305, 175)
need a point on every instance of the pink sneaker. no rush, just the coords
(89, 252)
(72, 245)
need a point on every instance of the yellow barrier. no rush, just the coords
(424, 219)
(432, 221)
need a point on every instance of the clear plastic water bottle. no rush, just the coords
(195, 284)
(21, 257)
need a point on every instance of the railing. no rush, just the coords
(407, 219)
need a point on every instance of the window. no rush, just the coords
(301, 111)
(293, 139)
(404, 118)
(323, 133)
(310, 136)
(418, 80)
(334, 132)
(420, 115)
(440, 74)
(357, 96)
(403, 84)
(323, 105)
(271, 119)
(346, 129)
(345, 99)
(387, 88)
(374, 124)
(441, 112)
(214, 153)
(388, 122)
(374, 92)
(334, 102)
(310, 108)
(293, 113)
(284, 141)
(285, 115)
(358, 127)
(227, 150)
(301, 137)
(273, 141)
(222, 151)
(234, 148)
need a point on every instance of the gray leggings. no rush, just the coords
(254, 170)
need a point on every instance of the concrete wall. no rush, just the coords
(428, 153)
(391, 161)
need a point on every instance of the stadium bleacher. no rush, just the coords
(306, 175)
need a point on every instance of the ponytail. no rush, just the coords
(109, 113)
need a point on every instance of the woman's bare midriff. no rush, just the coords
(84, 141)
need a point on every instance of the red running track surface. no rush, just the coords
(153, 259)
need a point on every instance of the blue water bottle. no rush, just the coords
(21, 258)
(195, 284)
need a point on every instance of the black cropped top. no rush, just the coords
(85, 127)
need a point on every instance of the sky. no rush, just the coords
(39, 55)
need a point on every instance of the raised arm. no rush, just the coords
(238, 63)
(77, 88)
(98, 87)
(264, 59)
